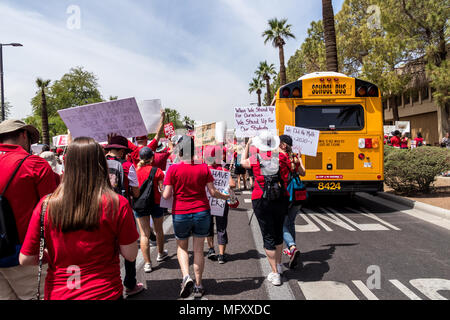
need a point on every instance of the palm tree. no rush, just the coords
(278, 32)
(43, 85)
(264, 72)
(256, 86)
(330, 35)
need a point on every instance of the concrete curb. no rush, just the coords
(433, 210)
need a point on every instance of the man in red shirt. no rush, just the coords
(143, 142)
(33, 181)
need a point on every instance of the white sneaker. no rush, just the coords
(275, 278)
(280, 268)
(162, 257)
(148, 268)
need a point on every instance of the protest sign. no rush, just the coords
(169, 130)
(205, 135)
(221, 182)
(403, 126)
(249, 121)
(151, 114)
(304, 140)
(388, 130)
(166, 203)
(100, 119)
(60, 141)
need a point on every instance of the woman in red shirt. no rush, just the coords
(157, 213)
(270, 213)
(86, 226)
(404, 141)
(191, 214)
(395, 140)
(419, 140)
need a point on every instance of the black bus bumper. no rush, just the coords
(343, 187)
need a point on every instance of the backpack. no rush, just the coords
(9, 236)
(146, 200)
(116, 176)
(297, 190)
(273, 184)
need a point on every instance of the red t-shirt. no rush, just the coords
(143, 173)
(395, 141)
(95, 253)
(160, 160)
(404, 143)
(34, 180)
(285, 166)
(418, 140)
(134, 155)
(189, 182)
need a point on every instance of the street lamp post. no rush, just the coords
(1, 76)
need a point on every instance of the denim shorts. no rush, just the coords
(195, 224)
(155, 212)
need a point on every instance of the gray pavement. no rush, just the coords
(351, 249)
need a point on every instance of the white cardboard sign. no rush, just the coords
(100, 119)
(221, 182)
(151, 114)
(249, 121)
(169, 202)
(60, 141)
(304, 140)
(403, 126)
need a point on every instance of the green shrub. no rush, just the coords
(408, 171)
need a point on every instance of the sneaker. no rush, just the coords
(293, 260)
(221, 258)
(280, 268)
(275, 278)
(211, 254)
(287, 252)
(137, 288)
(148, 268)
(163, 256)
(186, 287)
(198, 292)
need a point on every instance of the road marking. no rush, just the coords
(283, 292)
(326, 290)
(371, 215)
(360, 226)
(411, 295)
(330, 218)
(364, 290)
(310, 227)
(248, 200)
(246, 192)
(430, 287)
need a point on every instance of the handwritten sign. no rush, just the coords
(221, 182)
(98, 120)
(205, 135)
(388, 130)
(60, 141)
(249, 121)
(169, 130)
(403, 126)
(304, 140)
(151, 114)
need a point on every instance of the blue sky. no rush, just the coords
(197, 56)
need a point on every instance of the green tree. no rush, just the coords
(279, 31)
(7, 107)
(265, 71)
(330, 36)
(256, 86)
(43, 86)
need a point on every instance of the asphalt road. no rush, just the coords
(351, 249)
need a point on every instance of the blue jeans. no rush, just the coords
(196, 224)
(289, 226)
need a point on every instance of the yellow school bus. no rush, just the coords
(349, 115)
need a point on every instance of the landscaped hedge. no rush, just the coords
(414, 170)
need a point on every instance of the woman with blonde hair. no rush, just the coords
(86, 226)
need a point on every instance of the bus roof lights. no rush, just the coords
(286, 92)
(372, 91)
(362, 91)
(329, 79)
(296, 93)
(322, 79)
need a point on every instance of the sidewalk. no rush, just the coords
(440, 199)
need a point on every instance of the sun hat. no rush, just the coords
(266, 141)
(12, 125)
(118, 142)
(146, 153)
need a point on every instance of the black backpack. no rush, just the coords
(273, 184)
(9, 236)
(146, 200)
